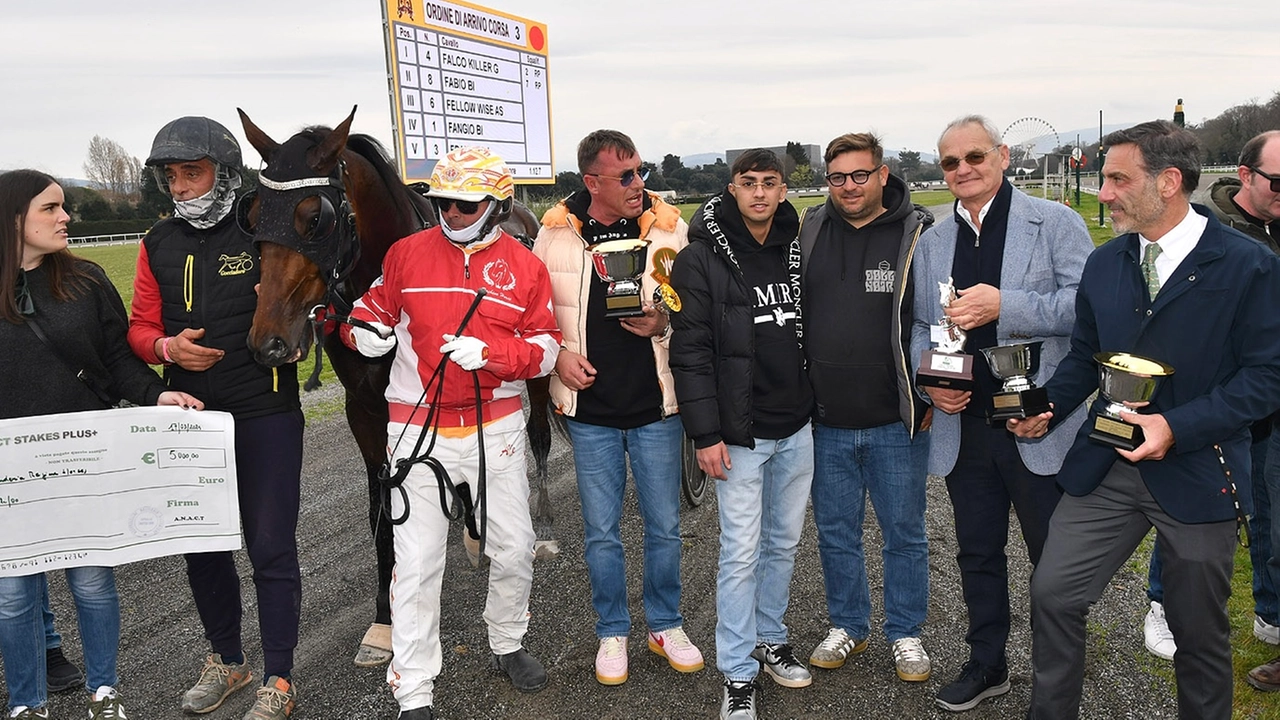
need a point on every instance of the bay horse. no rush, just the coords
(329, 206)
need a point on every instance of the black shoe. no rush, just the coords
(975, 684)
(60, 674)
(526, 673)
(422, 713)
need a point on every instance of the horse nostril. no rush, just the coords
(274, 352)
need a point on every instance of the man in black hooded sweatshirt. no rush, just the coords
(856, 254)
(745, 402)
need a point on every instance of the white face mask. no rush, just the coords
(470, 233)
(209, 209)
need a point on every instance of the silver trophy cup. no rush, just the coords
(621, 263)
(1015, 365)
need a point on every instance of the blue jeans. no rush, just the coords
(887, 465)
(51, 637)
(22, 631)
(1265, 477)
(761, 508)
(600, 457)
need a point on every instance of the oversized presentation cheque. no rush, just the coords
(114, 486)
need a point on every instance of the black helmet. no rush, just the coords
(192, 138)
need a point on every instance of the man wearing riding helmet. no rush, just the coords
(430, 280)
(193, 304)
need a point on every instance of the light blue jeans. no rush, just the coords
(762, 504)
(22, 631)
(887, 465)
(600, 456)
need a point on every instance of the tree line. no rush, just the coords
(122, 193)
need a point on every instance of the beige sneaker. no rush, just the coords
(218, 680)
(835, 648)
(910, 659)
(276, 700)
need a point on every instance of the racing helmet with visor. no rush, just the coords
(467, 176)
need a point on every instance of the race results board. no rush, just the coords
(465, 75)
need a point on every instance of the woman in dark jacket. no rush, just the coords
(63, 349)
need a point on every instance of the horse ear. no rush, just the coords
(324, 156)
(261, 142)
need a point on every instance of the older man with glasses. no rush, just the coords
(614, 387)
(1016, 261)
(856, 252)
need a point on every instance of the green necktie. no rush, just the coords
(1149, 269)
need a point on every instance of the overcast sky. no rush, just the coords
(680, 77)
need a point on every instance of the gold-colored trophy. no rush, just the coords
(1124, 378)
(620, 263)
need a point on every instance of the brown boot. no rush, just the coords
(1266, 677)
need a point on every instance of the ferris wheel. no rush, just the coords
(1028, 138)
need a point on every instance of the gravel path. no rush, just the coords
(162, 645)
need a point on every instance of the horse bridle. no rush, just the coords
(334, 248)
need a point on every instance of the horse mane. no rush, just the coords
(408, 202)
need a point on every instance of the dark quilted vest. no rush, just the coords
(206, 280)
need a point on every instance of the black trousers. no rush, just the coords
(268, 474)
(1090, 537)
(988, 478)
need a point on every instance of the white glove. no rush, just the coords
(373, 344)
(470, 353)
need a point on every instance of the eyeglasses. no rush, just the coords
(750, 185)
(859, 177)
(1275, 179)
(974, 159)
(466, 207)
(626, 178)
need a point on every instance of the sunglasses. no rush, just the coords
(626, 178)
(859, 177)
(466, 207)
(1275, 179)
(974, 159)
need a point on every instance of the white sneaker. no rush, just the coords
(1156, 635)
(1265, 631)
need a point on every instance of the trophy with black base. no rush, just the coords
(1015, 365)
(620, 263)
(1124, 380)
(945, 366)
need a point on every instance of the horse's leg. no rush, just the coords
(539, 429)
(366, 409)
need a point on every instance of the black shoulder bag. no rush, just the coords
(94, 386)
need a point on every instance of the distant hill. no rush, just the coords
(707, 158)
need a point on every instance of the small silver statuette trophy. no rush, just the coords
(945, 366)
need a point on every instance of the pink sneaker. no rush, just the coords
(611, 661)
(676, 647)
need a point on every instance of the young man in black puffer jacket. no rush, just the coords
(745, 402)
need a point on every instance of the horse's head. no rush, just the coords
(301, 221)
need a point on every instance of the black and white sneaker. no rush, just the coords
(739, 700)
(975, 684)
(781, 664)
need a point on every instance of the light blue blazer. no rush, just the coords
(1044, 253)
